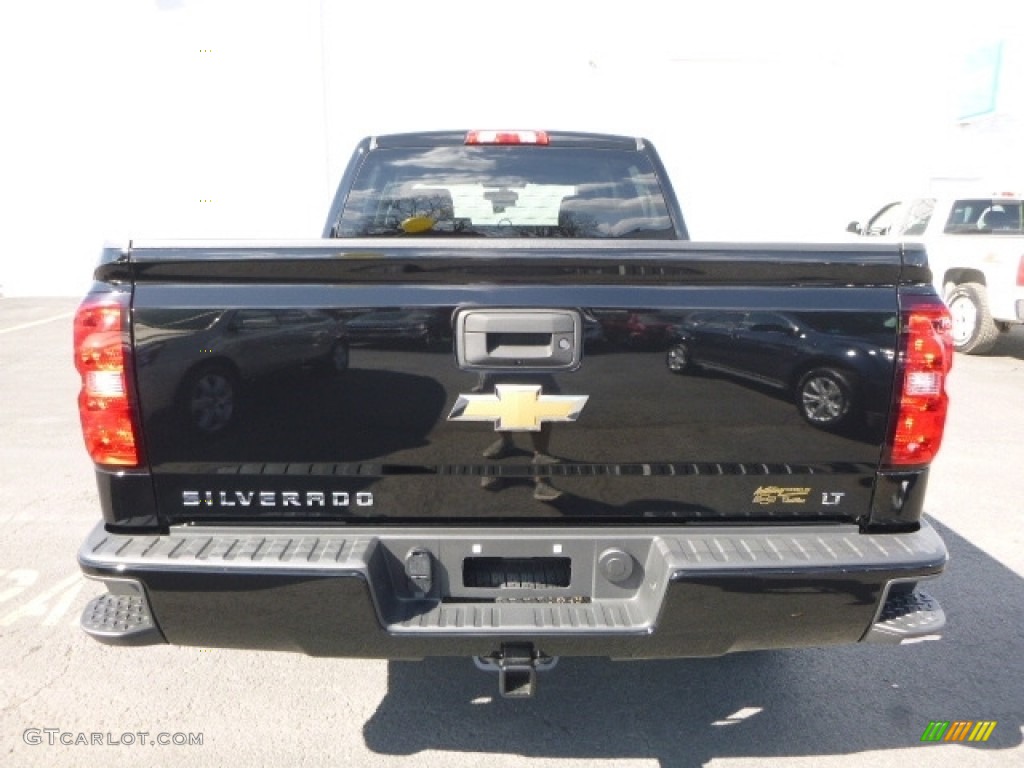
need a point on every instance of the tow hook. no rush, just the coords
(517, 665)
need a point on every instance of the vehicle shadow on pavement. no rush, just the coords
(835, 701)
(1010, 344)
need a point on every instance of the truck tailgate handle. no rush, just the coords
(519, 339)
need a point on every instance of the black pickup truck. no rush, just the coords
(454, 424)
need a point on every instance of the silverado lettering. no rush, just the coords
(559, 427)
(274, 498)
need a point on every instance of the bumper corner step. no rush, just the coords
(118, 619)
(908, 617)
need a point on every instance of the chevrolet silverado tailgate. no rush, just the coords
(549, 382)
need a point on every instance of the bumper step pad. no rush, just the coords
(912, 616)
(120, 620)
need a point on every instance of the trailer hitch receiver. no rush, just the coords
(517, 665)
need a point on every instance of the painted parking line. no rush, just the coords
(45, 608)
(34, 323)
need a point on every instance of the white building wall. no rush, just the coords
(234, 118)
(987, 150)
(131, 119)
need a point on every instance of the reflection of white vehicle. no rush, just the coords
(976, 251)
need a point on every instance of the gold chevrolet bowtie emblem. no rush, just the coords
(517, 408)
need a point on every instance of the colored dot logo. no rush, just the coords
(959, 730)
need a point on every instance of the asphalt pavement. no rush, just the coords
(66, 700)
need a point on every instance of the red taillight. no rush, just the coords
(925, 357)
(508, 137)
(1020, 272)
(103, 403)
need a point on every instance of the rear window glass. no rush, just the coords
(986, 215)
(506, 192)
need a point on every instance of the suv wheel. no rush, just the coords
(974, 330)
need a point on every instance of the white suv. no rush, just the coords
(975, 248)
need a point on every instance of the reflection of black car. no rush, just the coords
(235, 346)
(396, 326)
(835, 363)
